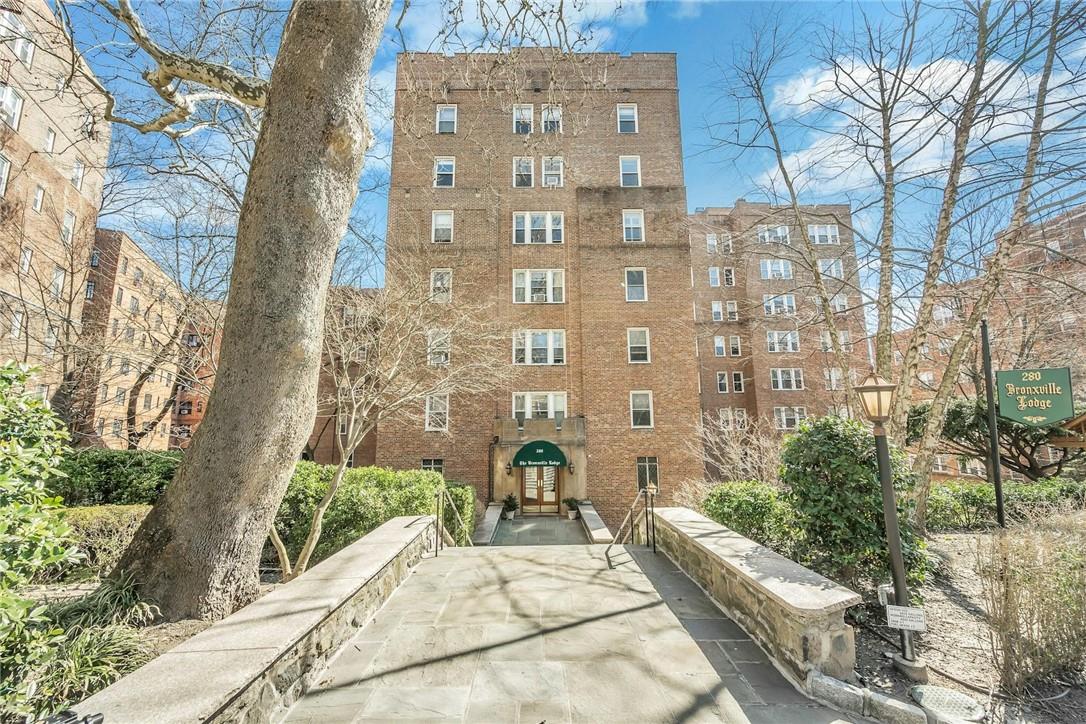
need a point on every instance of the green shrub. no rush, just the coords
(971, 505)
(755, 510)
(96, 476)
(113, 603)
(102, 532)
(831, 471)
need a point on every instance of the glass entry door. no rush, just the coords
(539, 491)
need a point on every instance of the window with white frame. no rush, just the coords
(786, 378)
(732, 310)
(550, 117)
(50, 140)
(971, 466)
(445, 118)
(711, 243)
(15, 331)
(927, 379)
(26, 254)
(843, 336)
(940, 464)
(726, 243)
(727, 276)
(539, 347)
(779, 304)
(11, 106)
(441, 227)
(5, 171)
(718, 311)
(522, 119)
(835, 378)
(95, 257)
(773, 234)
(438, 347)
(67, 228)
(735, 346)
(437, 413)
(115, 428)
(118, 298)
(17, 33)
(434, 465)
(633, 225)
(627, 117)
(823, 234)
(444, 172)
(641, 409)
(58, 282)
(782, 340)
(629, 168)
(788, 418)
(719, 346)
(739, 417)
(722, 382)
(832, 268)
(39, 198)
(538, 227)
(636, 285)
(119, 395)
(539, 286)
(523, 172)
(637, 345)
(776, 269)
(89, 294)
(441, 285)
(737, 381)
(839, 302)
(134, 305)
(553, 171)
(79, 170)
(714, 276)
(539, 405)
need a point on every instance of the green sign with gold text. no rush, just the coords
(1037, 398)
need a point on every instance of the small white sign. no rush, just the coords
(906, 617)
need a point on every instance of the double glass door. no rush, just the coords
(539, 490)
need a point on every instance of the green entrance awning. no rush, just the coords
(539, 453)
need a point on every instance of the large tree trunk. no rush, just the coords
(197, 552)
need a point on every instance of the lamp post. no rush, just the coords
(876, 395)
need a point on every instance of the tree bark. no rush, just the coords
(196, 554)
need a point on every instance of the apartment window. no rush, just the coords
(726, 243)
(637, 345)
(119, 297)
(58, 282)
(722, 382)
(441, 227)
(437, 413)
(776, 269)
(441, 285)
(733, 311)
(16, 329)
(714, 276)
(782, 341)
(438, 345)
(147, 399)
(444, 172)
(735, 346)
(129, 334)
(719, 346)
(434, 465)
(727, 276)
(21, 44)
(124, 265)
(636, 286)
(970, 466)
(718, 311)
(788, 418)
(843, 336)
(445, 121)
(115, 428)
(103, 394)
(5, 171)
(125, 367)
(940, 464)
(539, 405)
(67, 229)
(90, 290)
(39, 198)
(927, 379)
(779, 304)
(79, 170)
(737, 381)
(832, 268)
(95, 257)
(553, 171)
(118, 396)
(739, 417)
(538, 227)
(835, 379)
(134, 305)
(538, 286)
(539, 347)
(648, 473)
(523, 172)
(633, 225)
(115, 326)
(11, 106)
(641, 409)
(101, 427)
(787, 378)
(711, 243)
(522, 119)
(823, 234)
(629, 168)
(551, 118)
(770, 234)
(839, 302)
(627, 117)
(26, 254)
(50, 140)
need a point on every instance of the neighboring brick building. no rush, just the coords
(763, 347)
(565, 207)
(199, 355)
(53, 150)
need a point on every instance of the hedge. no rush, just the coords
(102, 532)
(96, 476)
(971, 505)
(755, 510)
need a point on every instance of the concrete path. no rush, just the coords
(540, 530)
(550, 634)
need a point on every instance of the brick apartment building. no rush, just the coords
(565, 206)
(53, 150)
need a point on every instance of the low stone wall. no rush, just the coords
(796, 614)
(253, 665)
(594, 526)
(484, 532)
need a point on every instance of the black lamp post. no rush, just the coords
(876, 395)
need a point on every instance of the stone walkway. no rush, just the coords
(550, 634)
(545, 530)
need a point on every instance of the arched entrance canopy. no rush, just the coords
(539, 453)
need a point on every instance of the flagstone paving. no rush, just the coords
(550, 634)
(539, 530)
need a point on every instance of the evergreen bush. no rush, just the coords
(971, 505)
(755, 510)
(96, 476)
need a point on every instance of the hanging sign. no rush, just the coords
(1037, 398)
(906, 617)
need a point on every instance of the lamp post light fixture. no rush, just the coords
(876, 396)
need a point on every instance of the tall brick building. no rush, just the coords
(562, 203)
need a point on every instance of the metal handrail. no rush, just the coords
(456, 512)
(620, 538)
